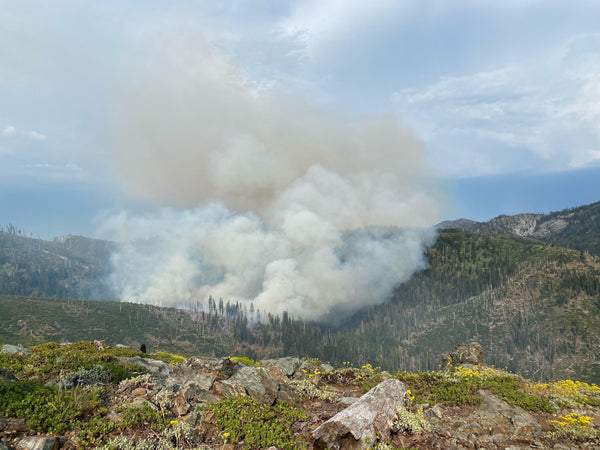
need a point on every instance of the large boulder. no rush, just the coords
(366, 420)
(464, 354)
(256, 382)
(206, 380)
(287, 366)
(495, 412)
(202, 372)
(12, 349)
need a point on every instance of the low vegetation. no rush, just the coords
(259, 426)
(66, 390)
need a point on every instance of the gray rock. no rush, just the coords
(326, 367)
(471, 353)
(435, 411)
(140, 403)
(288, 366)
(359, 425)
(6, 376)
(8, 425)
(12, 349)
(494, 411)
(158, 368)
(253, 381)
(38, 443)
(202, 372)
(307, 367)
(348, 400)
(524, 422)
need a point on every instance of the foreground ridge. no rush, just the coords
(89, 395)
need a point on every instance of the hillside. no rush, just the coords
(67, 267)
(533, 307)
(114, 397)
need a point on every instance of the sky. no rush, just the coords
(102, 104)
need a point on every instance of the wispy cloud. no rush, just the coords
(9, 131)
(35, 135)
(548, 117)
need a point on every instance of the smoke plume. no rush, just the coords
(270, 199)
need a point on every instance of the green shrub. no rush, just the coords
(142, 417)
(52, 361)
(460, 388)
(47, 408)
(508, 388)
(95, 432)
(437, 387)
(257, 425)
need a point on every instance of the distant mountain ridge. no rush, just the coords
(577, 228)
(66, 267)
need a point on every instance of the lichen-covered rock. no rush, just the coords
(205, 380)
(159, 368)
(38, 443)
(495, 412)
(471, 353)
(363, 422)
(202, 372)
(12, 349)
(287, 366)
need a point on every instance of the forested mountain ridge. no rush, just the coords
(66, 267)
(533, 307)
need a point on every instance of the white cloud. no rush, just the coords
(541, 117)
(585, 159)
(9, 131)
(36, 136)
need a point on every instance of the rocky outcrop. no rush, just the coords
(464, 354)
(360, 424)
(337, 416)
(203, 380)
(537, 226)
(12, 349)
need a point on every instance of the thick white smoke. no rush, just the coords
(279, 202)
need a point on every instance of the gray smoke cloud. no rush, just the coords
(279, 202)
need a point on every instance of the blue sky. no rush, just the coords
(504, 97)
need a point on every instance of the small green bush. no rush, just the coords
(51, 361)
(436, 387)
(507, 387)
(47, 408)
(243, 419)
(142, 417)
